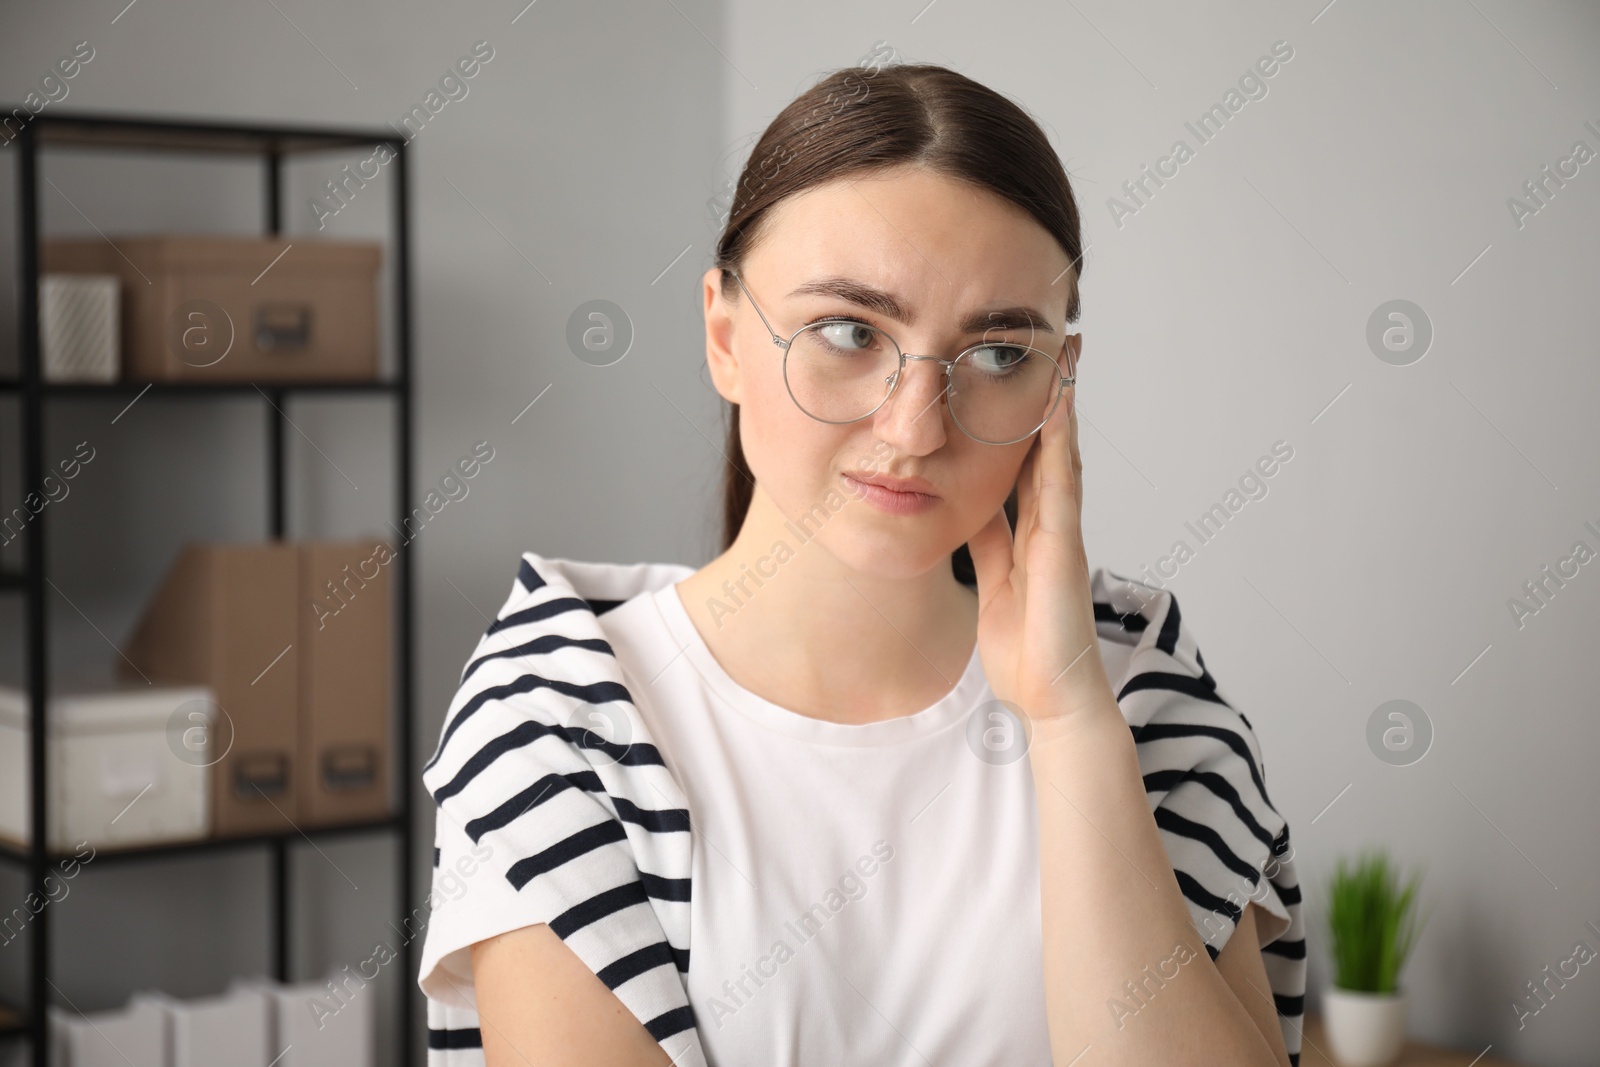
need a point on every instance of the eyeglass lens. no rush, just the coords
(842, 371)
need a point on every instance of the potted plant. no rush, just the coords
(1373, 926)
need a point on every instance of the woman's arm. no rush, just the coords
(539, 1004)
(1242, 968)
(1126, 971)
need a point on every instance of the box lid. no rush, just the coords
(167, 252)
(132, 708)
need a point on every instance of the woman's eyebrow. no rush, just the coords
(887, 305)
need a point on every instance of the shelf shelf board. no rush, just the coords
(11, 851)
(119, 389)
(177, 133)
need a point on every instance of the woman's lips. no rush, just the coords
(888, 500)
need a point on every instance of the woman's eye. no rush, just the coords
(847, 335)
(999, 357)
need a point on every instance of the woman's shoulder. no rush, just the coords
(1165, 659)
(1205, 780)
(599, 583)
(547, 783)
(543, 669)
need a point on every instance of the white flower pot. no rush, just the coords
(1364, 1029)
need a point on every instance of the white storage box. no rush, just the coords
(79, 320)
(135, 1035)
(231, 1030)
(127, 766)
(323, 1024)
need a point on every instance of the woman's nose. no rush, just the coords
(913, 417)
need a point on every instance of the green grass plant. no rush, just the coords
(1373, 922)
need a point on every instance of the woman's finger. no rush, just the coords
(1071, 401)
(1057, 467)
(1027, 495)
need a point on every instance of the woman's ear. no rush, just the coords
(720, 359)
(1075, 346)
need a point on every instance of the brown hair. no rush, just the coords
(860, 120)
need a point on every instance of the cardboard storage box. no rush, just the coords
(295, 640)
(224, 617)
(209, 307)
(344, 680)
(115, 779)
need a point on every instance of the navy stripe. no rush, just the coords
(598, 907)
(542, 645)
(517, 737)
(670, 1022)
(1135, 621)
(637, 754)
(1202, 896)
(566, 850)
(538, 613)
(1289, 950)
(1220, 787)
(595, 693)
(528, 577)
(520, 804)
(1151, 731)
(636, 963)
(1174, 823)
(1168, 639)
(1290, 1006)
(1164, 781)
(656, 820)
(1186, 684)
(633, 754)
(666, 888)
(1132, 622)
(466, 1037)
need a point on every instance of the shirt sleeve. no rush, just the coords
(537, 822)
(1205, 779)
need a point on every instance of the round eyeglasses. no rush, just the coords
(843, 370)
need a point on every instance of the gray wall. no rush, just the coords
(1228, 312)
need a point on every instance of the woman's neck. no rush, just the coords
(791, 622)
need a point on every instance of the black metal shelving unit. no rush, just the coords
(272, 144)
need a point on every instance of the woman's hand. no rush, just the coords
(1036, 631)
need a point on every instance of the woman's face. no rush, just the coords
(947, 253)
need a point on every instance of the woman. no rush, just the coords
(941, 793)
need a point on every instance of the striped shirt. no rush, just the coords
(542, 820)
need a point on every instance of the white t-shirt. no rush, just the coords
(847, 894)
(862, 893)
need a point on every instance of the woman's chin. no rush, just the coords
(888, 554)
